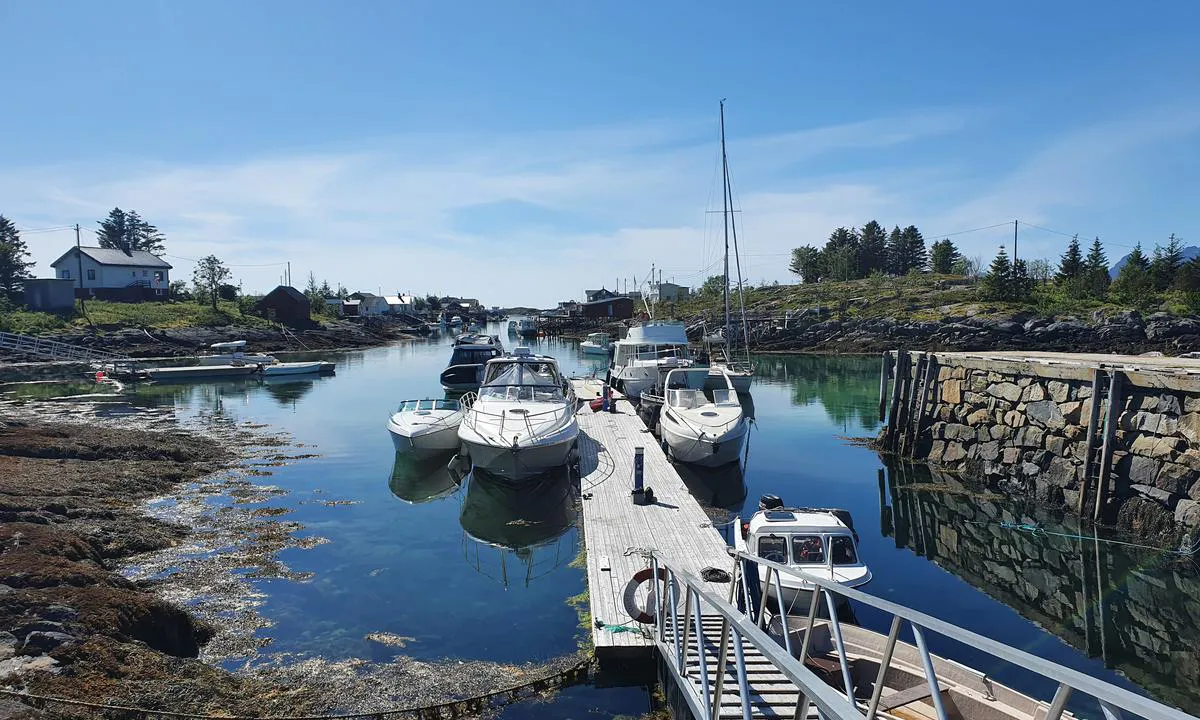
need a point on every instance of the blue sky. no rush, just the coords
(521, 152)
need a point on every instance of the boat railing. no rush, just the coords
(681, 640)
(472, 413)
(1111, 698)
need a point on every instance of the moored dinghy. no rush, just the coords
(698, 430)
(522, 422)
(425, 425)
(596, 344)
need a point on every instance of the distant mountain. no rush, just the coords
(1189, 252)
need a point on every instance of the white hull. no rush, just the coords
(296, 368)
(521, 462)
(592, 349)
(437, 441)
(706, 451)
(236, 358)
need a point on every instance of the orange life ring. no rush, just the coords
(644, 616)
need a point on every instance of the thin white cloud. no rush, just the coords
(384, 213)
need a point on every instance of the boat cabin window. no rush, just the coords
(773, 548)
(535, 381)
(841, 549)
(808, 549)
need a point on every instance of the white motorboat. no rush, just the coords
(456, 320)
(649, 346)
(816, 541)
(698, 430)
(234, 353)
(522, 422)
(471, 353)
(425, 425)
(596, 344)
(526, 327)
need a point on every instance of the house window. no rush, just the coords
(66, 274)
(91, 274)
(133, 273)
(145, 273)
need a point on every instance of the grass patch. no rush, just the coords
(165, 315)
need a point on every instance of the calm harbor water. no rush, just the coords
(473, 572)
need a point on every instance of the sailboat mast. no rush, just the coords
(725, 217)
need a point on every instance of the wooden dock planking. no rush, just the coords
(675, 526)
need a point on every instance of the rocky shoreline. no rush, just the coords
(190, 341)
(1125, 332)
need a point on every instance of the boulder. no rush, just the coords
(41, 642)
(8, 645)
(989, 451)
(1006, 390)
(1187, 514)
(954, 452)
(1057, 390)
(952, 392)
(1189, 427)
(1029, 437)
(1158, 495)
(1033, 392)
(1046, 414)
(1175, 478)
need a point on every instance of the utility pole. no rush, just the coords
(289, 273)
(1015, 223)
(79, 257)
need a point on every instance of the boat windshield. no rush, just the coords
(537, 381)
(808, 549)
(773, 548)
(841, 548)
(472, 356)
(414, 405)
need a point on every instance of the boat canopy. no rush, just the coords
(658, 333)
(232, 345)
(529, 378)
(473, 354)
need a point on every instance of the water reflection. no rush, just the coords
(1138, 611)
(418, 478)
(514, 532)
(847, 387)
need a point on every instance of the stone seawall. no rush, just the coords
(1027, 425)
(1138, 611)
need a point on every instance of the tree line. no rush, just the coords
(853, 253)
(1087, 277)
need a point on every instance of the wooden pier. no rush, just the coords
(615, 529)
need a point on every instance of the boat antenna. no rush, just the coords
(725, 218)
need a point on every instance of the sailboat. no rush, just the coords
(721, 359)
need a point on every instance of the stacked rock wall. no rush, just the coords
(1023, 427)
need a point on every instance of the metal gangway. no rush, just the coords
(57, 350)
(728, 665)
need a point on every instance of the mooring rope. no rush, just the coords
(1038, 530)
(557, 679)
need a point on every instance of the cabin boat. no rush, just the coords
(816, 541)
(596, 344)
(234, 353)
(467, 360)
(425, 425)
(697, 430)
(522, 422)
(638, 357)
(525, 327)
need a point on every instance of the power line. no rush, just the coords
(244, 265)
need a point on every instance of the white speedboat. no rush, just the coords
(425, 425)
(817, 541)
(234, 353)
(698, 430)
(638, 357)
(522, 422)
(456, 320)
(596, 344)
(471, 353)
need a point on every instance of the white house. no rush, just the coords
(399, 304)
(110, 269)
(669, 292)
(371, 305)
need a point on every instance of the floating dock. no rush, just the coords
(615, 529)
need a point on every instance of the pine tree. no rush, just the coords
(1166, 263)
(895, 252)
(943, 257)
(1133, 284)
(841, 254)
(1187, 278)
(1070, 266)
(1095, 271)
(806, 263)
(915, 257)
(995, 283)
(872, 249)
(114, 231)
(14, 267)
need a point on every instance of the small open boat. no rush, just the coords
(817, 541)
(296, 368)
(698, 430)
(425, 425)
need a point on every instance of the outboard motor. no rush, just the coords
(770, 502)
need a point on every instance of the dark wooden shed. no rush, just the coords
(284, 304)
(617, 308)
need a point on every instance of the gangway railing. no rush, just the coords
(748, 627)
(57, 350)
